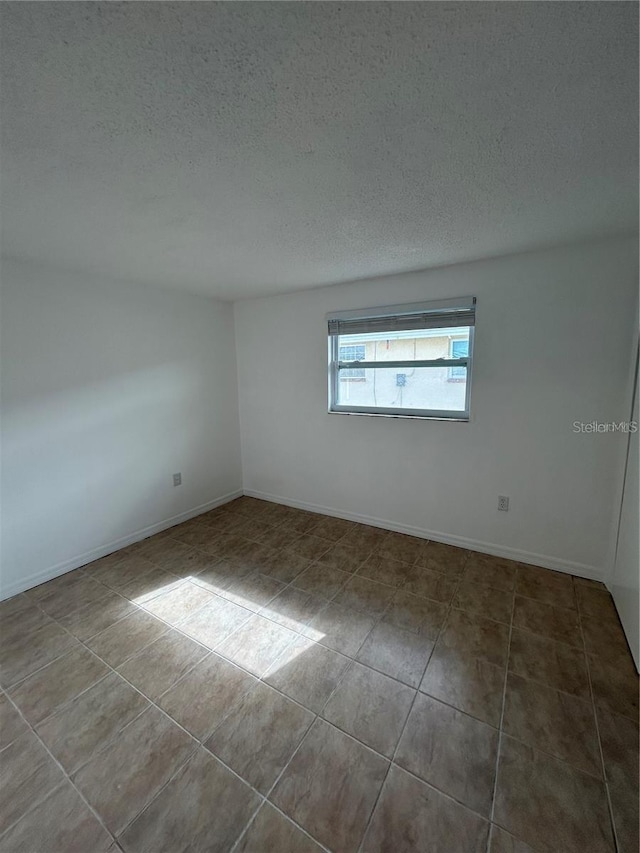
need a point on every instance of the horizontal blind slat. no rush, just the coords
(403, 322)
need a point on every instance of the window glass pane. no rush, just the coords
(459, 348)
(431, 388)
(405, 346)
(352, 352)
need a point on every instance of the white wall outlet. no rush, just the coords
(177, 479)
(503, 503)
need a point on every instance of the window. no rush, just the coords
(352, 352)
(459, 349)
(410, 360)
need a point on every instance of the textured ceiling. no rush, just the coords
(248, 148)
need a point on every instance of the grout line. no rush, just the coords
(65, 775)
(594, 709)
(501, 724)
(392, 761)
(112, 740)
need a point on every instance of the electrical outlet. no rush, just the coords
(503, 503)
(177, 479)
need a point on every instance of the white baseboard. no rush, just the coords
(546, 561)
(102, 551)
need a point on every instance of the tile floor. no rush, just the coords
(262, 679)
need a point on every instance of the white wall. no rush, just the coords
(107, 390)
(553, 334)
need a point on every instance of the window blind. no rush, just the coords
(440, 316)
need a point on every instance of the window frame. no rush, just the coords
(393, 412)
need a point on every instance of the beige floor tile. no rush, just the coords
(620, 748)
(62, 823)
(260, 735)
(57, 683)
(18, 625)
(27, 774)
(555, 722)
(396, 652)
(450, 750)
(256, 644)
(605, 639)
(549, 805)
(470, 684)
(157, 667)
(615, 688)
(340, 628)
(343, 557)
(371, 707)
(321, 580)
(626, 816)
(22, 654)
(365, 595)
(253, 556)
(125, 638)
(496, 604)
(272, 831)
(190, 564)
(490, 571)
(284, 566)
(307, 672)
(399, 546)
(15, 605)
(178, 604)
(549, 662)
(206, 694)
(332, 529)
(203, 808)
(124, 777)
(384, 569)
(556, 623)
(12, 725)
(90, 620)
(214, 622)
(330, 787)
(293, 608)
(433, 585)
(253, 529)
(219, 576)
(181, 532)
(279, 537)
(546, 586)
(595, 601)
(150, 585)
(445, 559)
(77, 593)
(169, 554)
(80, 729)
(474, 636)
(365, 538)
(411, 816)
(125, 571)
(253, 592)
(503, 842)
(199, 536)
(308, 546)
(416, 614)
